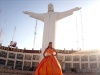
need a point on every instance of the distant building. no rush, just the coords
(22, 59)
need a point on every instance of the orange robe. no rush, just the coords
(49, 65)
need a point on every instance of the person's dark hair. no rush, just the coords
(48, 45)
(50, 42)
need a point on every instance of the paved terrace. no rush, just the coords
(20, 72)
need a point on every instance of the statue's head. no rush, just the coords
(50, 7)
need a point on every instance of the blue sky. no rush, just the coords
(66, 34)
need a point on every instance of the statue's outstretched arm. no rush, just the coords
(34, 15)
(64, 14)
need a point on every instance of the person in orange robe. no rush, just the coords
(49, 64)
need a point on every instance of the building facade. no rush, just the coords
(22, 59)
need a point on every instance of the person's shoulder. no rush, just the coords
(53, 48)
(46, 49)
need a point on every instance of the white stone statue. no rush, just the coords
(50, 18)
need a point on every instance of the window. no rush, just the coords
(92, 58)
(98, 57)
(2, 61)
(20, 56)
(35, 64)
(76, 65)
(18, 65)
(68, 58)
(99, 65)
(84, 65)
(84, 58)
(75, 58)
(59, 57)
(93, 65)
(28, 57)
(27, 65)
(3, 54)
(36, 57)
(10, 63)
(12, 55)
(67, 66)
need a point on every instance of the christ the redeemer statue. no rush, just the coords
(50, 18)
